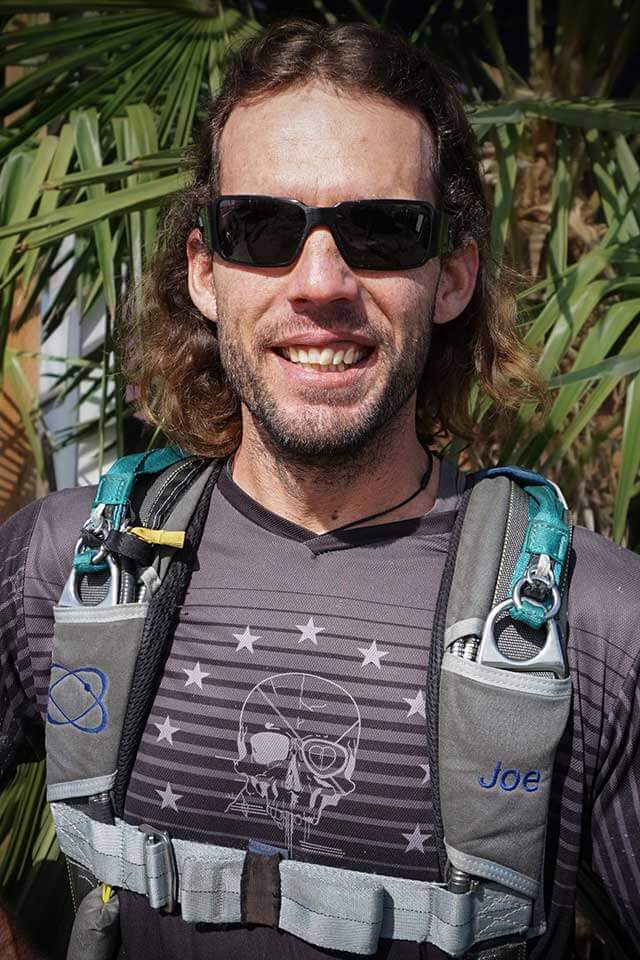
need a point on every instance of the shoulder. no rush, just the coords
(39, 539)
(604, 610)
(604, 585)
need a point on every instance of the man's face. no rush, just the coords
(324, 356)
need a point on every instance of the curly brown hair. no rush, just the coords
(170, 351)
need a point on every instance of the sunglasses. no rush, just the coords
(262, 231)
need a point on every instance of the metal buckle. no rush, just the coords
(549, 659)
(69, 596)
(160, 869)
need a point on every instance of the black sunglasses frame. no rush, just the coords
(328, 217)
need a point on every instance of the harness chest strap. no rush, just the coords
(327, 906)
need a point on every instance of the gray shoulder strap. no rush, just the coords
(103, 665)
(500, 717)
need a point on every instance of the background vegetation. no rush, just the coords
(99, 109)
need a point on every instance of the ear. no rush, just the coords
(457, 282)
(200, 267)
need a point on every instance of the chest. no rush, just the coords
(295, 718)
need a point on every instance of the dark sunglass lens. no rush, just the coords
(382, 235)
(259, 231)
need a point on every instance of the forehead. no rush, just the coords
(320, 145)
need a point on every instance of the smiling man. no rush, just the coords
(327, 348)
(322, 306)
(326, 356)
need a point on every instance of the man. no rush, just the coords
(320, 356)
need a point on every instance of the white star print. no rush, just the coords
(309, 631)
(246, 640)
(427, 773)
(195, 676)
(416, 839)
(166, 731)
(169, 798)
(416, 704)
(372, 655)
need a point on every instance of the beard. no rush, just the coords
(320, 431)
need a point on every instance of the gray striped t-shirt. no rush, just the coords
(291, 710)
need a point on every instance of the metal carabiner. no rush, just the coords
(549, 659)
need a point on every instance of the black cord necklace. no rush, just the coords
(374, 516)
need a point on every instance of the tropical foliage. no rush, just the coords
(118, 88)
(98, 116)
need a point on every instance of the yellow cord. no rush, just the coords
(107, 892)
(163, 538)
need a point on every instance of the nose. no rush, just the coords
(320, 275)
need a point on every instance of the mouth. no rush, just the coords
(326, 359)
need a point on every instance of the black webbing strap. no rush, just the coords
(129, 546)
(436, 654)
(507, 948)
(260, 889)
(156, 641)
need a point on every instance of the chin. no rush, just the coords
(317, 437)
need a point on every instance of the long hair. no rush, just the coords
(170, 351)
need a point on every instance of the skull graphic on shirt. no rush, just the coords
(297, 744)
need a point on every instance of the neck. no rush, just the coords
(324, 495)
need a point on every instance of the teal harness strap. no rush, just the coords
(116, 485)
(114, 490)
(547, 534)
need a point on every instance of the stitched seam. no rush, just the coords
(177, 491)
(157, 506)
(333, 916)
(524, 685)
(500, 873)
(507, 531)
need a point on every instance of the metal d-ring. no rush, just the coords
(70, 598)
(549, 659)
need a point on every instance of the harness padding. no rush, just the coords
(94, 655)
(498, 728)
(500, 731)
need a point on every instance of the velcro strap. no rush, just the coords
(260, 889)
(326, 906)
(129, 546)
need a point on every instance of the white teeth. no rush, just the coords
(313, 358)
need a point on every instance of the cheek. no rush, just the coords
(243, 297)
(407, 307)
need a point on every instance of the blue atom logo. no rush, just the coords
(76, 698)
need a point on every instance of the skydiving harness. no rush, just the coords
(497, 704)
